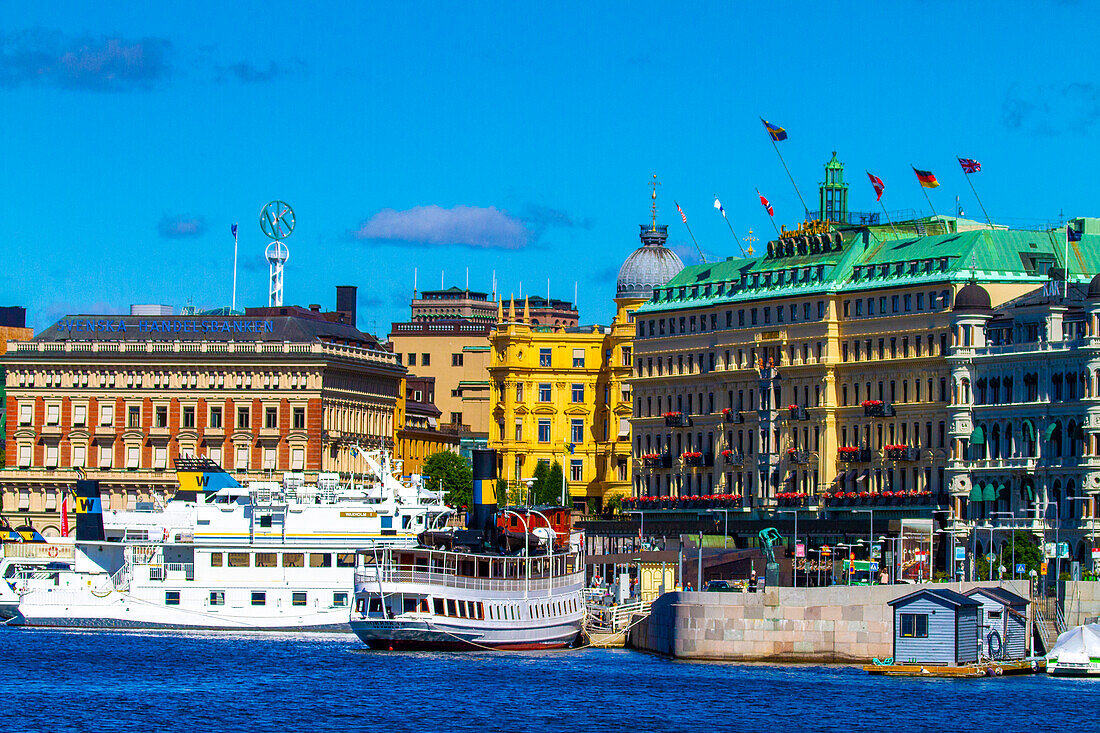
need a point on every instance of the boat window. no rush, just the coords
(345, 559)
(293, 560)
(480, 611)
(360, 604)
(215, 559)
(466, 567)
(437, 606)
(298, 598)
(914, 625)
(171, 597)
(451, 607)
(239, 560)
(375, 604)
(409, 605)
(265, 559)
(259, 598)
(217, 598)
(265, 520)
(339, 599)
(424, 605)
(483, 568)
(320, 560)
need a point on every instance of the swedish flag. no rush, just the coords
(777, 133)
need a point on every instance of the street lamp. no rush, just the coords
(894, 547)
(725, 527)
(641, 521)
(847, 560)
(870, 534)
(952, 564)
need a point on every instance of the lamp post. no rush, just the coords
(725, 527)
(526, 550)
(848, 552)
(952, 565)
(1011, 518)
(870, 534)
(894, 546)
(641, 521)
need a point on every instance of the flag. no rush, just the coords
(682, 214)
(777, 133)
(1072, 235)
(234, 230)
(969, 165)
(64, 515)
(767, 205)
(926, 178)
(878, 184)
(718, 205)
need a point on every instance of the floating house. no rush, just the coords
(1002, 624)
(936, 627)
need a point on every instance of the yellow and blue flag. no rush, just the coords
(777, 133)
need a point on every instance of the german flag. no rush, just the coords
(926, 178)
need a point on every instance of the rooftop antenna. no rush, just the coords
(441, 279)
(414, 283)
(547, 291)
(654, 183)
(494, 284)
(277, 222)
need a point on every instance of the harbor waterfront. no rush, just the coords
(105, 681)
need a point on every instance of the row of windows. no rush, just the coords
(755, 317)
(889, 305)
(289, 559)
(160, 416)
(104, 456)
(453, 608)
(257, 598)
(897, 347)
(158, 380)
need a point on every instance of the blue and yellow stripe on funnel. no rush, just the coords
(205, 481)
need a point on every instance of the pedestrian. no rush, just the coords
(688, 587)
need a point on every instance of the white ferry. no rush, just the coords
(513, 581)
(271, 555)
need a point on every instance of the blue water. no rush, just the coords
(107, 681)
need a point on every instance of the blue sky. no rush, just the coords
(501, 137)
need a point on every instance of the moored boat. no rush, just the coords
(512, 580)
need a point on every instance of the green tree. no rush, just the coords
(456, 474)
(1027, 552)
(548, 491)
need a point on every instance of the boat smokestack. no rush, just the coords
(89, 511)
(484, 509)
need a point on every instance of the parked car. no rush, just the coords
(721, 586)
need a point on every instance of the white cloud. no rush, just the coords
(470, 226)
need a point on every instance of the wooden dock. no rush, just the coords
(989, 669)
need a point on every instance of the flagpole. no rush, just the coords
(1065, 266)
(883, 207)
(726, 219)
(771, 217)
(234, 306)
(688, 227)
(988, 220)
(805, 209)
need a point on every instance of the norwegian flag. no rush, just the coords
(682, 214)
(767, 204)
(969, 165)
(878, 184)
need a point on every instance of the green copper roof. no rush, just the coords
(882, 257)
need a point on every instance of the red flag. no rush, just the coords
(65, 515)
(682, 214)
(878, 184)
(767, 205)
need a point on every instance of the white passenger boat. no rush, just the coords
(512, 581)
(269, 555)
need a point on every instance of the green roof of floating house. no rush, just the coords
(881, 256)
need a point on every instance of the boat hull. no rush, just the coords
(425, 635)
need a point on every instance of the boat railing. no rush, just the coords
(39, 551)
(120, 580)
(405, 575)
(607, 618)
(161, 572)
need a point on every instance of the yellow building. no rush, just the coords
(562, 394)
(416, 422)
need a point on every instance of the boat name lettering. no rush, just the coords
(358, 514)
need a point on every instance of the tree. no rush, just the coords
(456, 474)
(1027, 552)
(548, 490)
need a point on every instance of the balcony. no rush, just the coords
(902, 453)
(694, 459)
(854, 455)
(733, 416)
(677, 420)
(657, 460)
(797, 412)
(455, 428)
(798, 457)
(733, 457)
(877, 408)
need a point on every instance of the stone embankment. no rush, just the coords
(841, 624)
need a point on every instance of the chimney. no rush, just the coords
(345, 302)
(315, 307)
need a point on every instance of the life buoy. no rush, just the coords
(165, 534)
(51, 551)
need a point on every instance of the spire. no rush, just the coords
(500, 311)
(526, 312)
(654, 183)
(512, 309)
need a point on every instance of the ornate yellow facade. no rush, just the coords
(562, 395)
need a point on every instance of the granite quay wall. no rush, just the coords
(842, 624)
(1081, 602)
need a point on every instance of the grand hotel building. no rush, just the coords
(121, 397)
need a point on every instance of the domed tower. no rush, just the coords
(648, 267)
(972, 309)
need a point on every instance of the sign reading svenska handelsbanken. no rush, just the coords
(163, 327)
